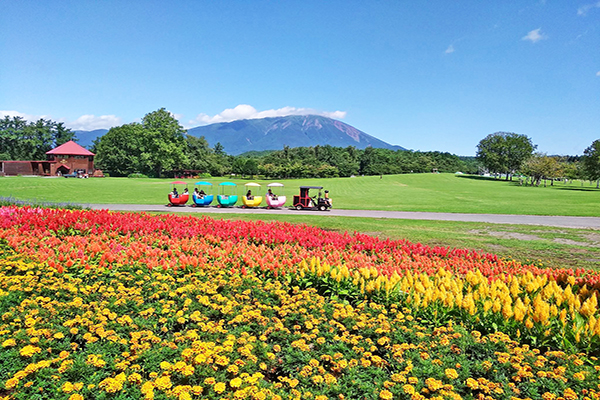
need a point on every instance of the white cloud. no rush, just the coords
(450, 49)
(90, 122)
(84, 123)
(534, 35)
(245, 111)
(26, 117)
(598, 73)
(583, 10)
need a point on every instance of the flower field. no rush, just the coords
(96, 304)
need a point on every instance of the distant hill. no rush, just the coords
(87, 137)
(294, 131)
(258, 135)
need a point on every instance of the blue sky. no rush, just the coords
(435, 75)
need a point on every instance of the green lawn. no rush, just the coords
(410, 192)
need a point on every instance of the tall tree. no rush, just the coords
(119, 150)
(164, 142)
(591, 162)
(504, 152)
(22, 140)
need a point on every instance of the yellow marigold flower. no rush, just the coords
(135, 378)
(184, 396)
(413, 380)
(147, 387)
(219, 387)
(233, 369)
(111, 385)
(235, 383)
(330, 379)
(472, 384)
(197, 390)
(75, 396)
(9, 343)
(29, 351)
(67, 387)
(187, 370)
(549, 396)
(580, 376)
(210, 381)
(433, 384)
(569, 394)
(321, 397)
(11, 383)
(163, 383)
(317, 379)
(451, 373)
(165, 365)
(260, 395)
(408, 389)
(386, 395)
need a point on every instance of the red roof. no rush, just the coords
(72, 149)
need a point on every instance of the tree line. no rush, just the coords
(509, 154)
(22, 140)
(159, 146)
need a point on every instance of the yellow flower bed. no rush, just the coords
(208, 333)
(527, 303)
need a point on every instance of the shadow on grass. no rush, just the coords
(581, 189)
(480, 178)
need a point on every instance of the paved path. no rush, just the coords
(556, 221)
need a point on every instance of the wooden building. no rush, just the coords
(65, 159)
(70, 157)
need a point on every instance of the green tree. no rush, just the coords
(504, 152)
(591, 162)
(239, 166)
(540, 166)
(22, 140)
(251, 167)
(119, 150)
(164, 142)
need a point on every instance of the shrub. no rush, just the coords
(137, 175)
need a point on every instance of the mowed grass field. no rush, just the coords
(410, 192)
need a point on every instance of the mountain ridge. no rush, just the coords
(273, 133)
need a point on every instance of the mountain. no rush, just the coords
(87, 137)
(272, 134)
(294, 131)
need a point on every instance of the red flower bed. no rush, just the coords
(106, 239)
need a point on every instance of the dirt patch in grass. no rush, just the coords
(513, 235)
(592, 237)
(574, 242)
